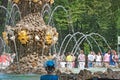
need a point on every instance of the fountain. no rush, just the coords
(27, 35)
(30, 38)
(83, 37)
(1, 45)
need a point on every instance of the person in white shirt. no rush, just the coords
(98, 59)
(115, 58)
(94, 57)
(62, 62)
(90, 59)
(81, 59)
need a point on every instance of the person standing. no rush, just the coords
(98, 59)
(62, 62)
(90, 59)
(115, 58)
(81, 59)
(112, 62)
(94, 57)
(73, 60)
(49, 67)
(106, 59)
(69, 60)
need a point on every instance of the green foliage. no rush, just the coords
(86, 48)
(86, 16)
(118, 22)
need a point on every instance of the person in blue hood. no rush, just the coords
(49, 67)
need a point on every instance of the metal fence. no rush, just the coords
(94, 64)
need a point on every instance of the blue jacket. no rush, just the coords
(111, 60)
(49, 77)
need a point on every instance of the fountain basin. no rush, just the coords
(19, 76)
(75, 72)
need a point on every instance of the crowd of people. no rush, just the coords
(108, 59)
(93, 59)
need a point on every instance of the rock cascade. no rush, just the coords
(31, 63)
(109, 74)
(30, 38)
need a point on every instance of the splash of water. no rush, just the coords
(102, 38)
(77, 42)
(2, 46)
(10, 15)
(51, 16)
(10, 20)
(80, 41)
(48, 10)
(72, 36)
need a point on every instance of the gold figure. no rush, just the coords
(23, 37)
(48, 39)
(5, 38)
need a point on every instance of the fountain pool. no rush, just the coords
(37, 76)
(19, 76)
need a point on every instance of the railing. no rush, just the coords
(94, 64)
(73, 64)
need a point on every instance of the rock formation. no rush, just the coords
(109, 74)
(30, 38)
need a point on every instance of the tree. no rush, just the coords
(92, 16)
